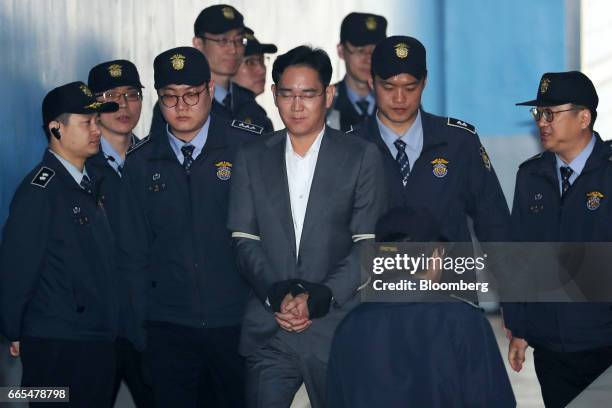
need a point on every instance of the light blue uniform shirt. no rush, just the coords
(109, 152)
(577, 165)
(71, 168)
(413, 139)
(354, 97)
(220, 93)
(198, 142)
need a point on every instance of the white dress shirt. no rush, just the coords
(300, 171)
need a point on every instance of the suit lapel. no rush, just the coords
(274, 172)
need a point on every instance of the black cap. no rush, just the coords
(363, 29)
(408, 224)
(181, 66)
(399, 55)
(558, 88)
(254, 47)
(74, 97)
(111, 74)
(218, 19)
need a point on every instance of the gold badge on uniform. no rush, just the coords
(86, 90)
(544, 85)
(94, 105)
(228, 13)
(178, 61)
(224, 170)
(594, 200)
(371, 23)
(485, 158)
(401, 50)
(440, 168)
(115, 70)
(248, 120)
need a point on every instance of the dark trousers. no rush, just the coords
(86, 367)
(564, 375)
(276, 371)
(130, 369)
(195, 367)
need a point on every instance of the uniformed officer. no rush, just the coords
(118, 81)
(219, 33)
(252, 71)
(175, 245)
(561, 195)
(432, 162)
(354, 101)
(58, 285)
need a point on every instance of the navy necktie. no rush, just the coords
(402, 160)
(86, 184)
(363, 105)
(227, 101)
(566, 173)
(119, 166)
(187, 156)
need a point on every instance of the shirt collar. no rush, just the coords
(577, 165)
(412, 137)
(198, 141)
(109, 150)
(314, 148)
(220, 93)
(354, 97)
(71, 168)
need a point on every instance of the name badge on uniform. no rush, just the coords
(224, 170)
(440, 167)
(594, 200)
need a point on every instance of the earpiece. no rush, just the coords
(56, 133)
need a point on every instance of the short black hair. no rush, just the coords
(307, 56)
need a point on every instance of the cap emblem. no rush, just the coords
(371, 23)
(401, 50)
(228, 13)
(178, 61)
(544, 85)
(94, 105)
(86, 90)
(115, 70)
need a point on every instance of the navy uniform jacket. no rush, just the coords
(57, 276)
(174, 245)
(244, 108)
(540, 215)
(348, 115)
(461, 184)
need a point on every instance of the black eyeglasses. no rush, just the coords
(549, 115)
(112, 96)
(363, 51)
(190, 98)
(225, 42)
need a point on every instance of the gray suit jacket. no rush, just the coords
(346, 198)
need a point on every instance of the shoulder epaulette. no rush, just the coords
(537, 156)
(461, 124)
(249, 127)
(139, 144)
(43, 177)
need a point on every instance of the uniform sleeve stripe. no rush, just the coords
(245, 235)
(360, 237)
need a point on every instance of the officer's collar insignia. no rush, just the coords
(249, 127)
(485, 158)
(248, 120)
(228, 13)
(440, 168)
(178, 61)
(461, 124)
(544, 84)
(594, 200)
(156, 176)
(224, 170)
(115, 70)
(538, 196)
(401, 50)
(86, 90)
(42, 178)
(139, 144)
(94, 105)
(371, 23)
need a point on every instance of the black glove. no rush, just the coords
(319, 299)
(280, 289)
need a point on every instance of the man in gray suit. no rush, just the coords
(303, 201)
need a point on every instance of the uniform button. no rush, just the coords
(195, 265)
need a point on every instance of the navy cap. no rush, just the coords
(218, 19)
(254, 47)
(180, 66)
(111, 74)
(74, 97)
(558, 88)
(363, 29)
(399, 55)
(408, 224)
